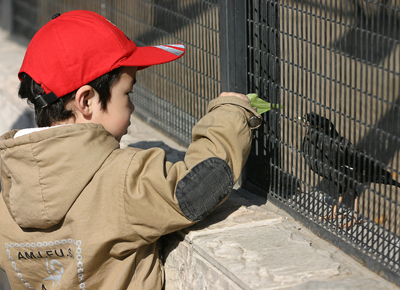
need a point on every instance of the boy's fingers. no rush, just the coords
(240, 96)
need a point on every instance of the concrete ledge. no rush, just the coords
(248, 243)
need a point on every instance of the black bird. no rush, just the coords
(335, 158)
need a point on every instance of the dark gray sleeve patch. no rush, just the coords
(204, 187)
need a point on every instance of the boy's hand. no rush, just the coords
(240, 96)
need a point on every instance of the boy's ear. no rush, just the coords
(84, 100)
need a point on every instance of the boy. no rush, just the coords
(78, 212)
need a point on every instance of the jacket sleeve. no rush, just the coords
(162, 197)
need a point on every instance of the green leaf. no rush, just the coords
(261, 105)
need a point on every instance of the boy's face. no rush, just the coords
(116, 119)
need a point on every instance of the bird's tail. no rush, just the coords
(391, 180)
(394, 182)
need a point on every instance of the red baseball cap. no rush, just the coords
(77, 47)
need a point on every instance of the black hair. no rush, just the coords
(56, 112)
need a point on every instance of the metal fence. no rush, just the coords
(328, 154)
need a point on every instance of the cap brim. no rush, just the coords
(152, 55)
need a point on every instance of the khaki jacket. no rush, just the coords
(79, 213)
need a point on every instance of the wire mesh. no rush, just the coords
(181, 89)
(338, 60)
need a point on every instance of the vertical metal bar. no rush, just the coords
(6, 15)
(272, 44)
(232, 23)
(233, 45)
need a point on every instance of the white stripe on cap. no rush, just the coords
(170, 48)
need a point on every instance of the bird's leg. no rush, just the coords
(354, 215)
(334, 210)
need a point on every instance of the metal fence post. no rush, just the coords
(233, 57)
(6, 15)
(233, 45)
